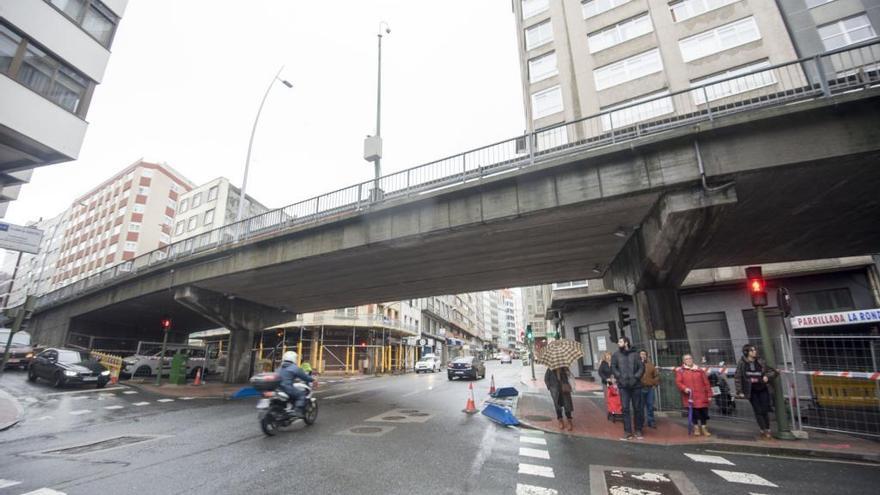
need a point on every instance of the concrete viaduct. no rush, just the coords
(791, 182)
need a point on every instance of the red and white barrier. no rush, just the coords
(865, 375)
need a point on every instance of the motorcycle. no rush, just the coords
(276, 410)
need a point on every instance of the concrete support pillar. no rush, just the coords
(242, 317)
(659, 313)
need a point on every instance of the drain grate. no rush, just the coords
(418, 414)
(110, 443)
(393, 418)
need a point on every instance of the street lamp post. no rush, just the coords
(247, 162)
(373, 144)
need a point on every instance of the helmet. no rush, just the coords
(289, 357)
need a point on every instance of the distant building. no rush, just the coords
(34, 272)
(210, 206)
(53, 54)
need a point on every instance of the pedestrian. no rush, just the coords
(650, 380)
(696, 392)
(627, 369)
(605, 369)
(558, 382)
(752, 381)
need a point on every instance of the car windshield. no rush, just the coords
(464, 360)
(71, 357)
(18, 339)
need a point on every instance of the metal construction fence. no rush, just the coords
(830, 382)
(822, 76)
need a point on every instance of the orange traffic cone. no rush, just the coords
(492, 386)
(470, 408)
(198, 380)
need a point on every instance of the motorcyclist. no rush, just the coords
(289, 373)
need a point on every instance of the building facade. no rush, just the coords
(53, 54)
(127, 215)
(210, 206)
(579, 58)
(31, 274)
(818, 26)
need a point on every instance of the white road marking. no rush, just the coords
(745, 478)
(8, 483)
(129, 392)
(534, 470)
(651, 477)
(349, 393)
(141, 403)
(112, 408)
(710, 459)
(81, 411)
(414, 392)
(536, 453)
(187, 398)
(802, 459)
(625, 490)
(79, 397)
(44, 418)
(538, 433)
(44, 491)
(533, 440)
(87, 391)
(165, 400)
(534, 490)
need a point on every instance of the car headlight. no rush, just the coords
(105, 373)
(70, 373)
(30, 355)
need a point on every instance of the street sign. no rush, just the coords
(423, 342)
(18, 238)
(431, 342)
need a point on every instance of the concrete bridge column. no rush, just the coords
(661, 252)
(241, 317)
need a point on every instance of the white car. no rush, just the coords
(505, 358)
(426, 364)
(148, 365)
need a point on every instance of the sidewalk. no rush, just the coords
(216, 389)
(10, 411)
(535, 409)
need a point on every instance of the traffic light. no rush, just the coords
(783, 300)
(529, 336)
(757, 286)
(166, 323)
(622, 317)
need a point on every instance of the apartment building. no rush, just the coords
(579, 58)
(210, 206)
(818, 26)
(53, 54)
(535, 302)
(31, 274)
(127, 215)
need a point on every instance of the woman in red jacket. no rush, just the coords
(694, 384)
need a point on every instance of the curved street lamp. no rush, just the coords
(247, 162)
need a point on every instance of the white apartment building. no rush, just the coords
(33, 272)
(53, 53)
(210, 206)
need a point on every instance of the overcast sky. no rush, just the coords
(186, 77)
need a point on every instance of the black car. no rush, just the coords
(67, 366)
(466, 367)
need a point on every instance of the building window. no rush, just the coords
(184, 205)
(775, 323)
(534, 7)
(147, 172)
(175, 187)
(618, 33)
(846, 32)
(178, 229)
(571, 285)
(824, 301)
(163, 237)
(193, 223)
(212, 193)
(134, 227)
(733, 86)
(92, 15)
(539, 34)
(542, 67)
(595, 7)
(41, 72)
(709, 339)
(636, 111)
(196, 200)
(137, 208)
(719, 39)
(628, 69)
(209, 217)
(692, 8)
(131, 246)
(547, 102)
(117, 229)
(816, 3)
(143, 190)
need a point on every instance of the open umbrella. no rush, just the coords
(561, 353)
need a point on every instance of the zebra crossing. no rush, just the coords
(4, 484)
(531, 470)
(731, 476)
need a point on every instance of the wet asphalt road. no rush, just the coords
(402, 434)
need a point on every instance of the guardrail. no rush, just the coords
(839, 71)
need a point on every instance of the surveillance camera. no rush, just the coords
(387, 30)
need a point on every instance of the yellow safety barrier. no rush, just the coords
(831, 391)
(321, 359)
(111, 362)
(299, 353)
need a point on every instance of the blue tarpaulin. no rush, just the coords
(500, 414)
(245, 393)
(505, 392)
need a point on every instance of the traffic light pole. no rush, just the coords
(162, 357)
(783, 431)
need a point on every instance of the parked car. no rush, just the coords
(20, 351)
(148, 365)
(427, 364)
(466, 367)
(67, 366)
(506, 359)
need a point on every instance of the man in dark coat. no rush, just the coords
(627, 368)
(752, 380)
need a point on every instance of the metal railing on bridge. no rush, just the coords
(821, 76)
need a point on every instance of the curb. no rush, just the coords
(19, 411)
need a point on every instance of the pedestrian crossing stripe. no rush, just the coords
(81, 411)
(522, 489)
(129, 392)
(536, 453)
(533, 440)
(710, 459)
(44, 491)
(111, 408)
(537, 433)
(141, 403)
(8, 483)
(534, 470)
(165, 400)
(744, 478)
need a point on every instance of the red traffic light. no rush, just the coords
(757, 285)
(166, 323)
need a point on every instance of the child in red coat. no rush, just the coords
(694, 385)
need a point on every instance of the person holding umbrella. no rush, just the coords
(696, 394)
(558, 356)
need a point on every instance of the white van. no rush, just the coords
(141, 365)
